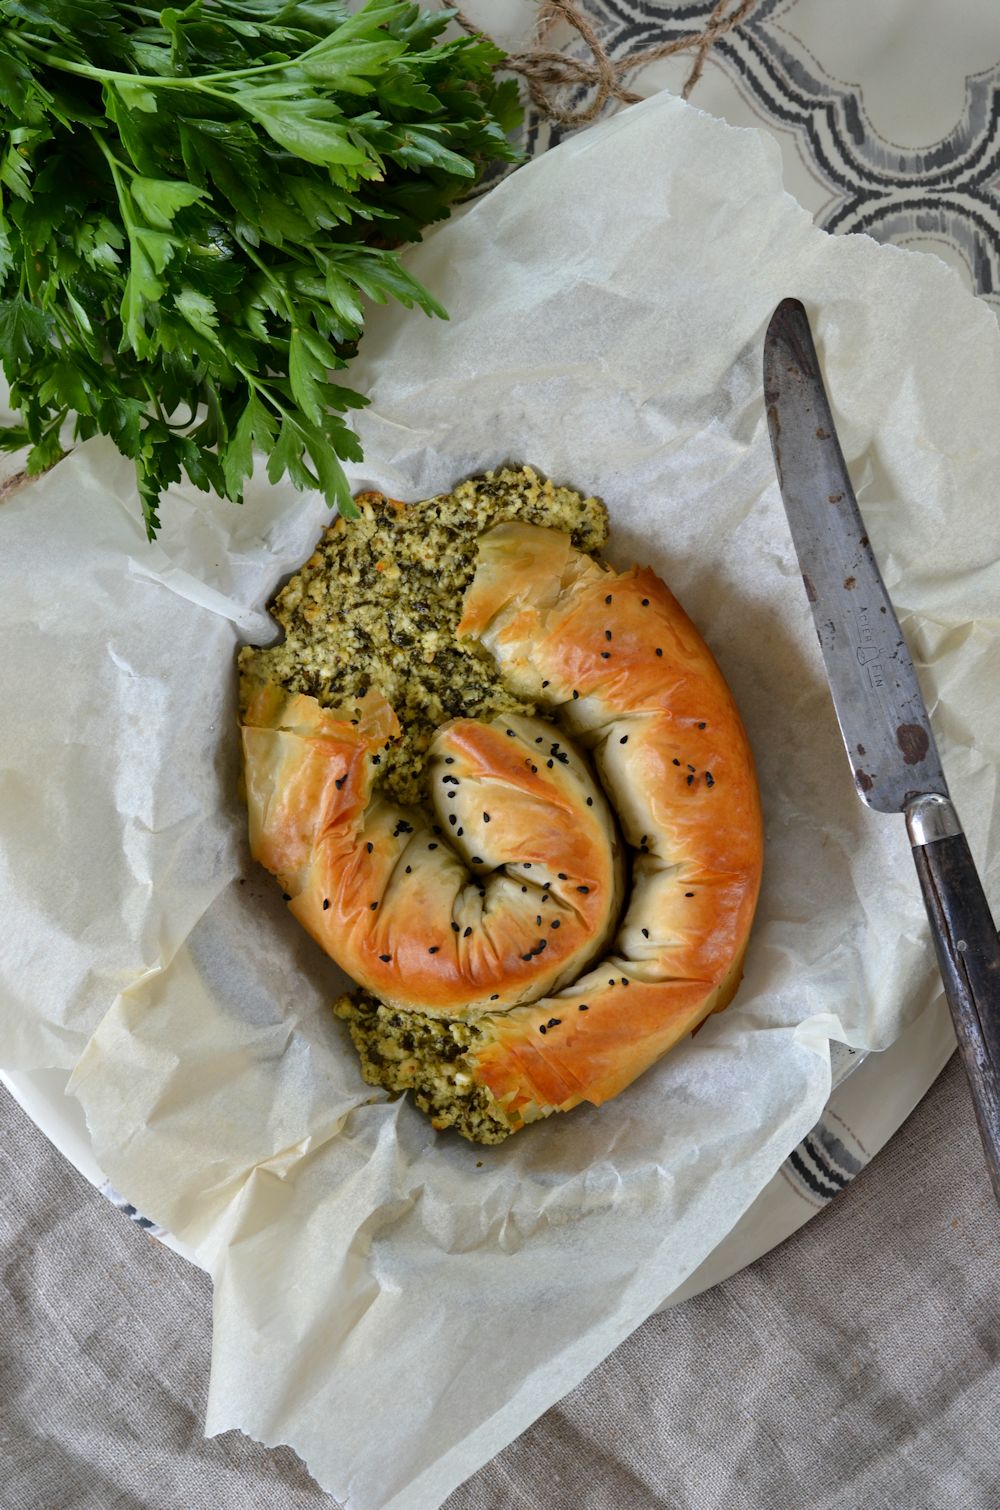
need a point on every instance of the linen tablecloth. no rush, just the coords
(858, 1365)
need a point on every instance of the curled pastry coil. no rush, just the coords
(559, 932)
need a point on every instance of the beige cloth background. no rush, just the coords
(856, 1366)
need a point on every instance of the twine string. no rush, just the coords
(547, 73)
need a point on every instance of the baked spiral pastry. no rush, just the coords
(543, 884)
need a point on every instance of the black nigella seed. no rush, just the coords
(477, 859)
(563, 876)
(527, 956)
(369, 846)
(645, 602)
(495, 996)
(553, 1022)
(452, 819)
(376, 760)
(611, 981)
(691, 767)
(285, 896)
(676, 762)
(432, 846)
(467, 933)
(607, 634)
(385, 958)
(625, 980)
(608, 598)
(538, 920)
(703, 726)
(451, 794)
(583, 1007)
(534, 770)
(455, 928)
(510, 733)
(527, 864)
(546, 885)
(584, 889)
(539, 740)
(449, 760)
(659, 650)
(459, 832)
(339, 782)
(524, 888)
(542, 1028)
(554, 923)
(373, 906)
(409, 869)
(709, 779)
(645, 933)
(575, 693)
(590, 801)
(690, 780)
(545, 684)
(433, 949)
(326, 903)
(550, 764)
(689, 893)
(605, 655)
(486, 817)
(623, 740)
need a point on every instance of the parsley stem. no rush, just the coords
(120, 189)
(269, 275)
(153, 80)
(154, 400)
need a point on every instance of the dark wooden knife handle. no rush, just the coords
(968, 952)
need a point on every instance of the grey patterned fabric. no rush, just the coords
(856, 1366)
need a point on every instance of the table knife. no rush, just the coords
(889, 740)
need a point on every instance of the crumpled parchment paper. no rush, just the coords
(394, 1304)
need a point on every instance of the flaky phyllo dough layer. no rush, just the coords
(507, 789)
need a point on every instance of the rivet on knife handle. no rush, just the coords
(886, 731)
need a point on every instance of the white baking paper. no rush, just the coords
(394, 1304)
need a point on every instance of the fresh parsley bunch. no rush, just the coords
(193, 202)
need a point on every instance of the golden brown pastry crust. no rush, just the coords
(499, 908)
(629, 677)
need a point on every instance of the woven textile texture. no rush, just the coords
(858, 1365)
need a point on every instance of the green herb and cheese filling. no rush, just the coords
(377, 606)
(378, 603)
(406, 1051)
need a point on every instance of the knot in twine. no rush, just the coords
(547, 73)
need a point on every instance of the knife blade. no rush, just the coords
(883, 719)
